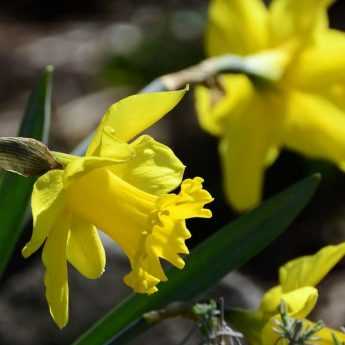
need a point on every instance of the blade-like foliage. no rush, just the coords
(226, 250)
(15, 190)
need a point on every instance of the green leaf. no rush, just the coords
(226, 250)
(15, 190)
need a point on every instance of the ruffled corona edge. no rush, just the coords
(168, 235)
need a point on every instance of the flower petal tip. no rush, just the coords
(25, 252)
(141, 282)
(29, 249)
(61, 323)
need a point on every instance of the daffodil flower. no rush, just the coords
(297, 281)
(123, 189)
(300, 106)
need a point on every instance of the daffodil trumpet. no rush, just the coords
(122, 187)
(298, 293)
(300, 106)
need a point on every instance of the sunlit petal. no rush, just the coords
(315, 127)
(291, 19)
(326, 335)
(132, 115)
(154, 168)
(236, 27)
(299, 302)
(250, 138)
(55, 277)
(320, 65)
(168, 234)
(110, 146)
(145, 226)
(271, 301)
(216, 106)
(82, 165)
(47, 205)
(85, 249)
(310, 270)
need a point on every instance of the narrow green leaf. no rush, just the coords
(226, 250)
(15, 190)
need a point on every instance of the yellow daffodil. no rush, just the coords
(123, 189)
(297, 281)
(301, 108)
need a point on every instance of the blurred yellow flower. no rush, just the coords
(297, 281)
(122, 189)
(301, 108)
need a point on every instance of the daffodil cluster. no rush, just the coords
(123, 189)
(297, 289)
(299, 104)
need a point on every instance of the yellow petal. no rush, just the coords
(63, 158)
(326, 335)
(321, 68)
(109, 146)
(82, 165)
(145, 226)
(269, 335)
(248, 142)
(207, 117)
(55, 277)
(122, 211)
(335, 93)
(236, 27)
(243, 176)
(315, 127)
(85, 249)
(132, 115)
(321, 65)
(214, 106)
(116, 208)
(271, 301)
(154, 169)
(168, 234)
(47, 203)
(297, 19)
(189, 202)
(300, 302)
(310, 270)
(272, 156)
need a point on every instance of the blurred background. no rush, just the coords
(102, 51)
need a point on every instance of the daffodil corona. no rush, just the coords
(297, 281)
(123, 189)
(299, 106)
